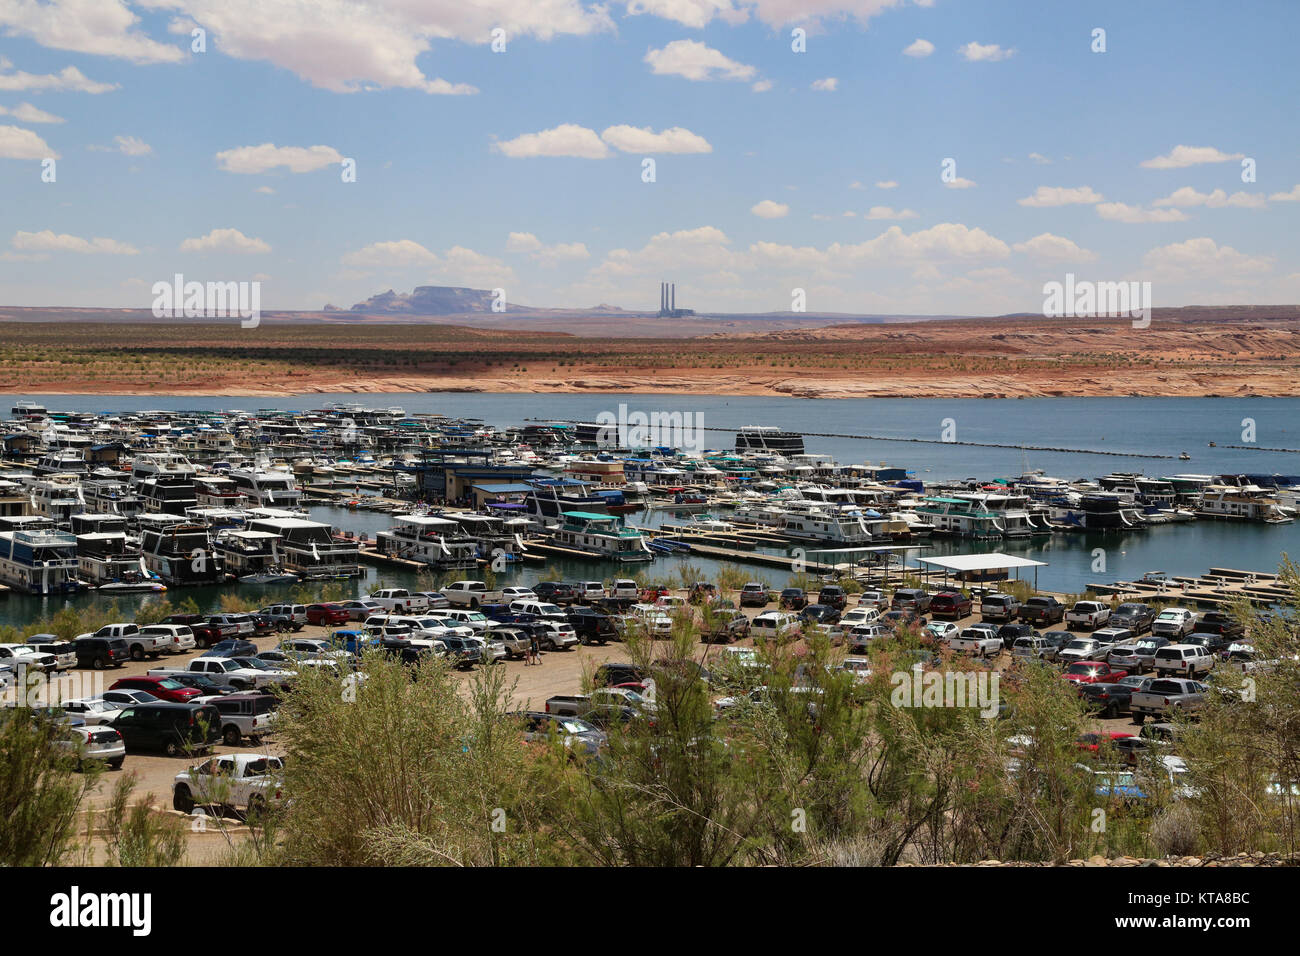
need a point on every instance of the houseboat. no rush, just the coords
(310, 549)
(602, 536)
(1243, 503)
(252, 556)
(761, 438)
(39, 562)
(438, 542)
(959, 517)
(267, 488)
(180, 553)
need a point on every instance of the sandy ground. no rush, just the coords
(1188, 352)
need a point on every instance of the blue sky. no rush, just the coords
(523, 169)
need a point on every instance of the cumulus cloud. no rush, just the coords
(19, 143)
(887, 212)
(828, 84)
(126, 145)
(225, 240)
(49, 241)
(395, 254)
(768, 209)
(26, 113)
(984, 52)
(1183, 156)
(567, 139)
(960, 183)
(1040, 159)
(1057, 248)
(918, 48)
(887, 184)
(1292, 195)
(697, 61)
(99, 27)
(540, 252)
(268, 156)
(1046, 196)
(1203, 256)
(67, 80)
(634, 139)
(1187, 196)
(1123, 212)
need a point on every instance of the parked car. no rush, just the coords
(591, 626)
(1215, 644)
(1033, 648)
(774, 626)
(1042, 610)
(555, 592)
(1135, 616)
(858, 616)
(360, 610)
(976, 641)
(793, 599)
(161, 687)
(398, 599)
(819, 614)
(28, 656)
(327, 615)
(1057, 640)
(942, 630)
(1092, 672)
(902, 617)
(235, 648)
(96, 744)
(65, 652)
(754, 594)
(859, 637)
(291, 617)
(724, 626)
(999, 607)
(910, 599)
(472, 594)
(556, 635)
(1182, 660)
(951, 604)
(1087, 615)
(1108, 699)
(139, 646)
(624, 589)
(1082, 649)
(1144, 652)
(1174, 623)
(515, 640)
(245, 715)
(1163, 696)
(224, 671)
(177, 638)
(1010, 633)
(248, 782)
(101, 652)
(206, 633)
(873, 599)
(832, 595)
(234, 624)
(174, 729)
(93, 710)
(1222, 623)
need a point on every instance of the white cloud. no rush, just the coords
(886, 212)
(391, 255)
(1048, 246)
(1040, 159)
(26, 113)
(633, 139)
(1293, 195)
(773, 13)
(99, 27)
(918, 48)
(67, 80)
(984, 52)
(19, 143)
(1202, 257)
(1046, 196)
(566, 139)
(960, 183)
(268, 156)
(697, 61)
(767, 209)
(48, 241)
(225, 240)
(1123, 212)
(1182, 156)
(526, 242)
(267, 190)
(762, 86)
(126, 145)
(1187, 196)
(887, 184)
(827, 85)
(856, 185)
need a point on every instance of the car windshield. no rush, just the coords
(169, 684)
(1081, 669)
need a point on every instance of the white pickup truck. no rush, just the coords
(222, 670)
(471, 594)
(399, 599)
(977, 641)
(250, 782)
(1164, 695)
(1088, 615)
(139, 643)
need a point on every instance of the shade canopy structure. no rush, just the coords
(967, 564)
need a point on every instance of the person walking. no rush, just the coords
(534, 649)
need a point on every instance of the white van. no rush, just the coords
(539, 608)
(178, 636)
(1183, 660)
(774, 625)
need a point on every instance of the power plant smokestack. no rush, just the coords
(673, 306)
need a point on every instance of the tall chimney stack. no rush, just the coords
(663, 296)
(673, 307)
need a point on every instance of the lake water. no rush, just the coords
(1129, 426)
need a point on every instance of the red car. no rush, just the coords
(1092, 742)
(1092, 672)
(326, 615)
(164, 688)
(951, 604)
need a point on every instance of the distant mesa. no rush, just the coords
(434, 300)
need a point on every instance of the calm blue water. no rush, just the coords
(1143, 425)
